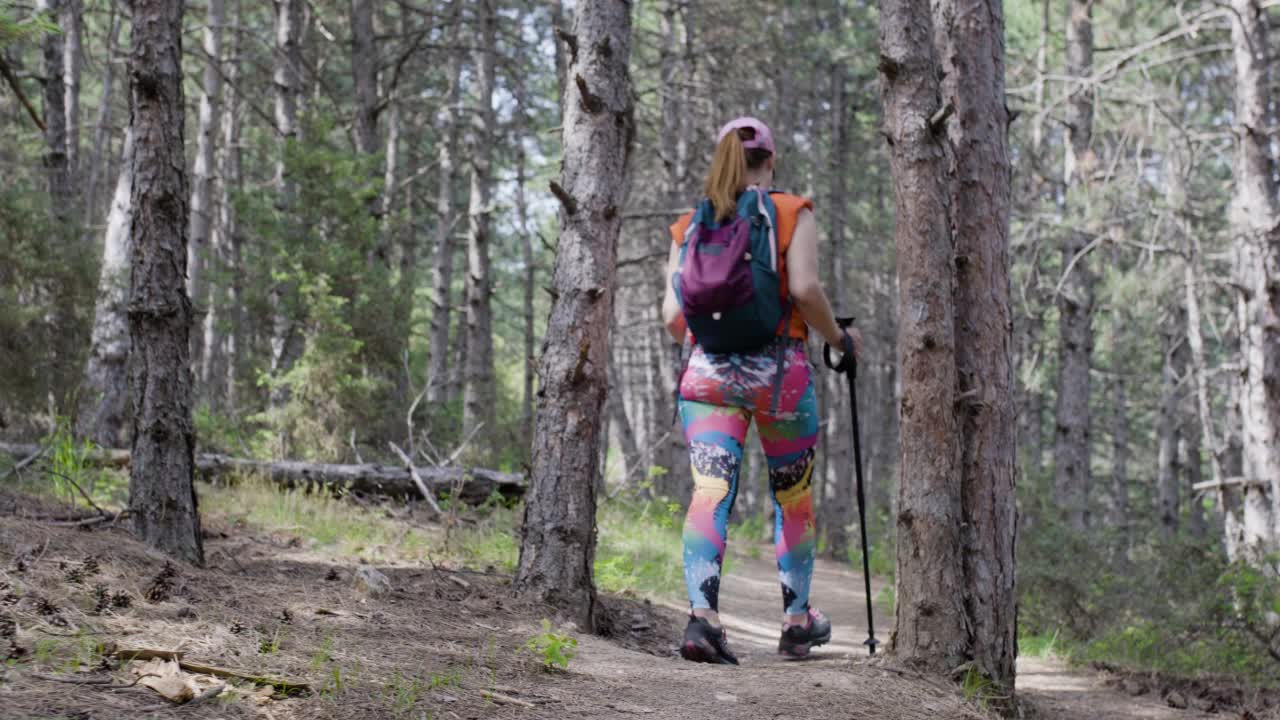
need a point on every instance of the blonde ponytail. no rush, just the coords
(728, 176)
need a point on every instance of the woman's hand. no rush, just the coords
(856, 335)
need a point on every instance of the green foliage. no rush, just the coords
(323, 654)
(1045, 645)
(328, 392)
(402, 692)
(976, 686)
(883, 560)
(553, 648)
(1175, 607)
(639, 548)
(337, 525)
(16, 31)
(68, 470)
(340, 680)
(47, 284)
(269, 643)
(315, 269)
(64, 471)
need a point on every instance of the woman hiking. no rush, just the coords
(745, 290)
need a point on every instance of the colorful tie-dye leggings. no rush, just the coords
(719, 395)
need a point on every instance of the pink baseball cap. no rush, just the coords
(762, 140)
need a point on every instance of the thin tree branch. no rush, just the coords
(17, 90)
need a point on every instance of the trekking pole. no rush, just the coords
(849, 366)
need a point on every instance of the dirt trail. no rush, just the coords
(751, 601)
(439, 643)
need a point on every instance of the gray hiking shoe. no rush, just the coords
(798, 640)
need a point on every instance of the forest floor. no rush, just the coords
(438, 642)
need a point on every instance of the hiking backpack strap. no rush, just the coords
(773, 231)
(780, 356)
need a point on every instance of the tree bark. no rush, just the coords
(222, 338)
(836, 511)
(162, 495)
(442, 267)
(970, 39)
(1197, 524)
(100, 151)
(204, 175)
(1072, 452)
(479, 393)
(287, 79)
(521, 127)
(956, 517)
(929, 618)
(1169, 431)
(617, 413)
(1121, 519)
(364, 69)
(286, 340)
(1256, 226)
(664, 442)
(105, 411)
(56, 163)
(71, 19)
(558, 543)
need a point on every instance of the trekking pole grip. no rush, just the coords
(848, 360)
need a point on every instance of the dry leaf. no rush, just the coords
(166, 678)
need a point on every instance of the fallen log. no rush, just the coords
(476, 484)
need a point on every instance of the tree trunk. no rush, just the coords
(100, 151)
(56, 163)
(222, 343)
(558, 20)
(442, 267)
(204, 174)
(58, 334)
(558, 543)
(664, 441)
(530, 269)
(287, 79)
(71, 19)
(364, 69)
(617, 412)
(929, 626)
(1256, 226)
(286, 340)
(479, 393)
(105, 410)
(837, 509)
(1169, 427)
(956, 517)
(1120, 452)
(161, 492)
(1072, 474)
(970, 38)
(1197, 524)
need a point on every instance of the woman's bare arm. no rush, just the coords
(806, 286)
(671, 315)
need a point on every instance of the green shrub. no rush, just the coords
(553, 648)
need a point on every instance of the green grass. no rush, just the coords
(340, 527)
(639, 549)
(1045, 645)
(1145, 646)
(63, 473)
